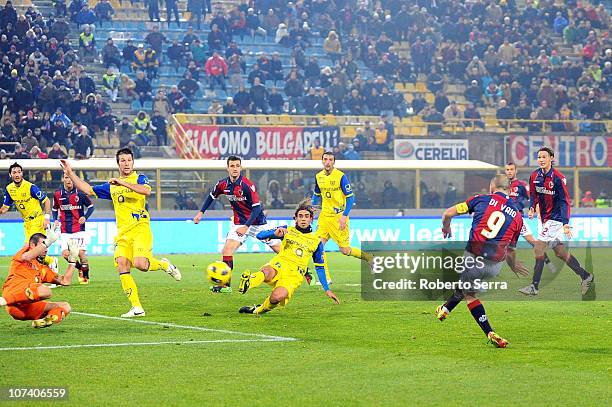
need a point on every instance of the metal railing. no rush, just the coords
(415, 125)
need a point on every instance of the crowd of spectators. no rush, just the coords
(506, 58)
(509, 60)
(49, 104)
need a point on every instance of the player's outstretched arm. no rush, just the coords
(317, 198)
(33, 253)
(449, 214)
(142, 189)
(515, 265)
(47, 211)
(319, 261)
(78, 182)
(207, 202)
(276, 233)
(8, 202)
(66, 279)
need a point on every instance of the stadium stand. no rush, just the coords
(419, 67)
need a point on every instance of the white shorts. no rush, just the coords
(526, 230)
(552, 232)
(81, 237)
(252, 231)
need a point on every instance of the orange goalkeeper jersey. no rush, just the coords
(23, 273)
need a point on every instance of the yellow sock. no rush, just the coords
(365, 256)
(326, 267)
(257, 279)
(265, 307)
(129, 288)
(155, 264)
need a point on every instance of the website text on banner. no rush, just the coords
(570, 151)
(262, 142)
(209, 237)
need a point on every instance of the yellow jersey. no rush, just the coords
(298, 248)
(316, 153)
(27, 198)
(334, 189)
(130, 207)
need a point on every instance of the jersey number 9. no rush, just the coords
(494, 224)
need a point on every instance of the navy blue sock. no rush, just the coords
(85, 270)
(454, 300)
(572, 262)
(479, 314)
(537, 271)
(229, 260)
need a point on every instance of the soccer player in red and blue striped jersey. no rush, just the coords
(72, 208)
(519, 192)
(548, 187)
(496, 227)
(249, 218)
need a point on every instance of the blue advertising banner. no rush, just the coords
(209, 235)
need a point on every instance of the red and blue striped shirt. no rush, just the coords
(71, 206)
(244, 199)
(549, 191)
(496, 225)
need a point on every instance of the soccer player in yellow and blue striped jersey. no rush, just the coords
(134, 241)
(285, 271)
(28, 199)
(333, 191)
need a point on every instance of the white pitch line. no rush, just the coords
(112, 345)
(195, 328)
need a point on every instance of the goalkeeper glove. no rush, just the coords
(53, 233)
(73, 251)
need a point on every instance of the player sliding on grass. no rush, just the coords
(334, 193)
(23, 292)
(549, 194)
(134, 241)
(285, 271)
(496, 227)
(519, 192)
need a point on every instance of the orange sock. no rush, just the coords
(60, 313)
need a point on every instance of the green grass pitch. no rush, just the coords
(356, 353)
